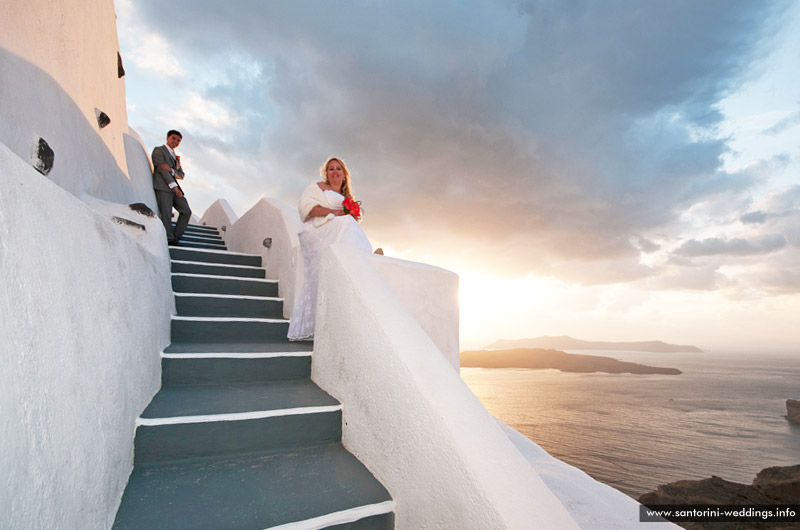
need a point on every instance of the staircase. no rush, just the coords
(239, 437)
(197, 236)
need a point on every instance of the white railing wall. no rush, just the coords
(410, 418)
(219, 215)
(270, 229)
(430, 294)
(85, 304)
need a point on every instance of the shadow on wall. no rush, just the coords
(34, 106)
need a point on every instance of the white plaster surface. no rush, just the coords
(84, 312)
(595, 506)
(411, 419)
(431, 296)
(220, 215)
(269, 218)
(59, 64)
(140, 169)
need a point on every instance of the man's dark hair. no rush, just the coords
(173, 131)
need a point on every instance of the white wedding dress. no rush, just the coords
(313, 240)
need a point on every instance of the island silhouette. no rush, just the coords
(547, 358)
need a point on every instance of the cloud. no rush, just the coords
(783, 125)
(733, 247)
(757, 217)
(562, 139)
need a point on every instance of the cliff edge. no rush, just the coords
(772, 486)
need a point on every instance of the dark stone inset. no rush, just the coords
(126, 222)
(120, 69)
(142, 208)
(102, 118)
(44, 157)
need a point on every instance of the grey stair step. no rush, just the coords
(202, 238)
(256, 492)
(205, 368)
(201, 228)
(192, 421)
(193, 244)
(194, 267)
(274, 346)
(198, 237)
(189, 283)
(190, 304)
(214, 256)
(218, 329)
(203, 231)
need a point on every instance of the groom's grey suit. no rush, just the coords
(165, 195)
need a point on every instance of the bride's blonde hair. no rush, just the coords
(347, 190)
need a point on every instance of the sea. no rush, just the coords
(724, 416)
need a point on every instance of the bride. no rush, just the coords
(325, 222)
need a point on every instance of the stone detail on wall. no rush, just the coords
(102, 118)
(128, 222)
(120, 69)
(43, 157)
(142, 208)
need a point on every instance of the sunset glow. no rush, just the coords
(610, 172)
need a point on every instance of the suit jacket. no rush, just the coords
(162, 179)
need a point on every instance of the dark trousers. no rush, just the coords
(166, 201)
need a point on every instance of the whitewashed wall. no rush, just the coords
(84, 301)
(59, 64)
(84, 311)
(272, 219)
(431, 296)
(411, 419)
(219, 215)
(593, 505)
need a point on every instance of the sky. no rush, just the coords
(617, 170)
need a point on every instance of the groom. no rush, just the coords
(166, 171)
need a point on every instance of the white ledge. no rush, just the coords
(265, 280)
(336, 518)
(236, 355)
(235, 416)
(228, 319)
(215, 251)
(232, 265)
(232, 296)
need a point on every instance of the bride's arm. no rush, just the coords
(321, 211)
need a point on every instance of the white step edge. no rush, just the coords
(229, 319)
(264, 280)
(233, 296)
(215, 251)
(211, 244)
(210, 236)
(350, 515)
(236, 355)
(206, 263)
(235, 416)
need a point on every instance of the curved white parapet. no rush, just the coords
(411, 419)
(594, 505)
(431, 296)
(270, 229)
(220, 215)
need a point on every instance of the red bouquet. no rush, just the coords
(352, 207)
